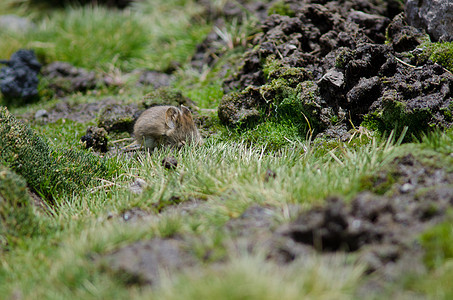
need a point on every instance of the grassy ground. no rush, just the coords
(226, 174)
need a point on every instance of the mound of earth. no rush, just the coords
(380, 225)
(349, 62)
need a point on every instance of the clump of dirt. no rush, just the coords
(144, 262)
(380, 225)
(350, 67)
(64, 78)
(169, 163)
(95, 138)
(382, 228)
(155, 79)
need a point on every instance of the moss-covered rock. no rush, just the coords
(241, 108)
(46, 170)
(281, 8)
(118, 118)
(442, 53)
(289, 97)
(166, 96)
(17, 218)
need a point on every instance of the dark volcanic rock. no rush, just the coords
(352, 73)
(19, 79)
(436, 16)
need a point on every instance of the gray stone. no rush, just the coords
(435, 16)
(42, 113)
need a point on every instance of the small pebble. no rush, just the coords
(407, 187)
(42, 113)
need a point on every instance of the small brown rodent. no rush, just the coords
(166, 126)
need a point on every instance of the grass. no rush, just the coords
(135, 40)
(225, 176)
(254, 278)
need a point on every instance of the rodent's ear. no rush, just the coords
(172, 116)
(186, 112)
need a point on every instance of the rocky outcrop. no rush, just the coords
(435, 16)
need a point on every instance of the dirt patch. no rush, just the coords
(145, 262)
(82, 112)
(155, 79)
(134, 215)
(64, 78)
(381, 228)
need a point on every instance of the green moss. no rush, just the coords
(441, 53)
(270, 66)
(448, 112)
(281, 8)
(438, 244)
(343, 57)
(47, 171)
(379, 183)
(17, 219)
(274, 134)
(166, 96)
(394, 116)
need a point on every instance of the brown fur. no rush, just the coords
(166, 126)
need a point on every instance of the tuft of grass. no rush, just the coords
(254, 278)
(148, 35)
(438, 244)
(17, 219)
(77, 35)
(47, 171)
(175, 30)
